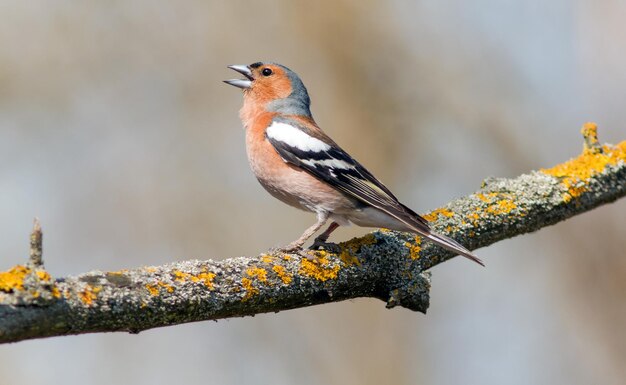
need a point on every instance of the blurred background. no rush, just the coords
(116, 131)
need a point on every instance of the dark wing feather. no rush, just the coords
(337, 168)
(354, 180)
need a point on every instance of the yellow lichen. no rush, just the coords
(180, 276)
(167, 287)
(351, 247)
(207, 278)
(249, 288)
(55, 292)
(349, 258)
(499, 203)
(258, 273)
(503, 206)
(318, 268)
(89, 294)
(576, 173)
(282, 274)
(590, 133)
(434, 215)
(253, 272)
(43, 275)
(13, 279)
(487, 198)
(152, 289)
(414, 248)
(204, 276)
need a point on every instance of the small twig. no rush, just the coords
(36, 245)
(590, 134)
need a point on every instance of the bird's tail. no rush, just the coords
(452, 245)
(421, 226)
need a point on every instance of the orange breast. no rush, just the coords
(286, 182)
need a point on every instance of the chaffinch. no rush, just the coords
(296, 162)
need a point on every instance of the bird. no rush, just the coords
(299, 164)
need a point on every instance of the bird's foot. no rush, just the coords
(326, 246)
(292, 249)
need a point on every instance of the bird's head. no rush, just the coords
(273, 86)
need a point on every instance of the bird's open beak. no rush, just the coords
(241, 83)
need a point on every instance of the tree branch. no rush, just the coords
(383, 264)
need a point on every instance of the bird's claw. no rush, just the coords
(291, 250)
(326, 246)
(309, 253)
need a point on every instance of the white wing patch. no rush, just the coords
(330, 163)
(295, 137)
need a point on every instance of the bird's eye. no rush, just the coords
(266, 72)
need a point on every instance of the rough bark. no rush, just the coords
(387, 265)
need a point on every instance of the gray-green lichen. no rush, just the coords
(384, 264)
